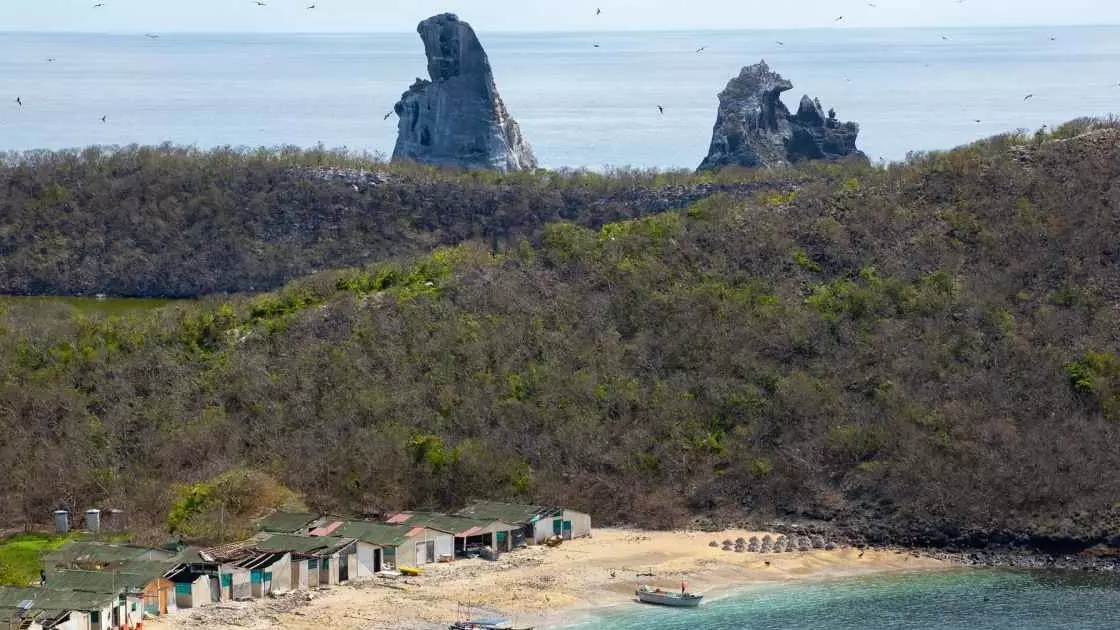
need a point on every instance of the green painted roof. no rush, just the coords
(307, 545)
(381, 534)
(108, 582)
(101, 553)
(508, 512)
(451, 524)
(286, 522)
(51, 599)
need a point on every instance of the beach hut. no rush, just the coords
(41, 608)
(142, 585)
(317, 560)
(537, 523)
(469, 533)
(192, 588)
(401, 545)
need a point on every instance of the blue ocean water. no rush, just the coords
(958, 600)
(910, 89)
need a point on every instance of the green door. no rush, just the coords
(557, 526)
(567, 530)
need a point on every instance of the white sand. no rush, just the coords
(549, 587)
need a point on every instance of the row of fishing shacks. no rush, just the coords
(99, 586)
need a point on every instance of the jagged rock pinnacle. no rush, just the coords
(754, 128)
(457, 118)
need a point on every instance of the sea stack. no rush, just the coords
(754, 128)
(457, 119)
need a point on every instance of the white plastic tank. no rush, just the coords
(61, 521)
(93, 521)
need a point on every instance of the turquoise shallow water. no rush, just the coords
(577, 104)
(958, 600)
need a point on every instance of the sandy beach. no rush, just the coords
(545, 587)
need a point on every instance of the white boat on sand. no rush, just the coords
(683, 599)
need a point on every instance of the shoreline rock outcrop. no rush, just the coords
(754, 127)
(457, 118)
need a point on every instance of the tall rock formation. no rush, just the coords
(754, 128)
(457, 118)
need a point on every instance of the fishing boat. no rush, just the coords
(683, 599)
(489, 619)
(485, 624)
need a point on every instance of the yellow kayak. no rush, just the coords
(411, 570)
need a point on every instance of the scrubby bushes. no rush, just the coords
(931, 349)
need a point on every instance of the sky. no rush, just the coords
(358, 16)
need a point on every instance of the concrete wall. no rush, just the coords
(77, 621)
(363, 565)
(409, 554)
(198, 596)
(281, 574)
(241, 588)
(581, 523)
(543, 530)
(330, 576)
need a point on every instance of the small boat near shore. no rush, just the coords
(683, 599)
(486, 624)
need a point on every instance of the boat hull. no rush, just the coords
(663, 598)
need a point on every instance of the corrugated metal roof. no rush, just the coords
(230, 551)
(101, 553)
(54, 600)
(326, 530)
(382, 534)
(306, 545)
(509, 512)
(459, 525)
(108, 582)
(286, 522)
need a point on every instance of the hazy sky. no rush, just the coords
(539, 15)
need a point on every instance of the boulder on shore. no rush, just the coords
(754, 128)
(457, 118)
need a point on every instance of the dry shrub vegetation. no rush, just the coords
(921, 352)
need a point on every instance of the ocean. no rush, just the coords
(579, 106)
(955, 600)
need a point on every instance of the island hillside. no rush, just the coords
(924, 353)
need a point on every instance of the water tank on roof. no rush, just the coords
(61, 521)
(93, 521)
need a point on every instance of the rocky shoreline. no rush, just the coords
(1002, 549)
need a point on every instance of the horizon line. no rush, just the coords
(567, 32)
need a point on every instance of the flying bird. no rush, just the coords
(1053, 37)
(1028, 97)
(701, 49)
(945, 37)
(872, 5)
(781, 43)
(259, 3)
(50, 59)
(598, 11)
(976, 121)
(839, 18)
(99, 5)
(595, 45)
(310, 7)
(388, 115)
(19, 101)
(660, 109)
(151, 35)
(104, 119)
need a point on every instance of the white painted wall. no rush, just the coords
(281, 574)
(581, 523)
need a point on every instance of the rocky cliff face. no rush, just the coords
(754, 128)
(457, 118)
